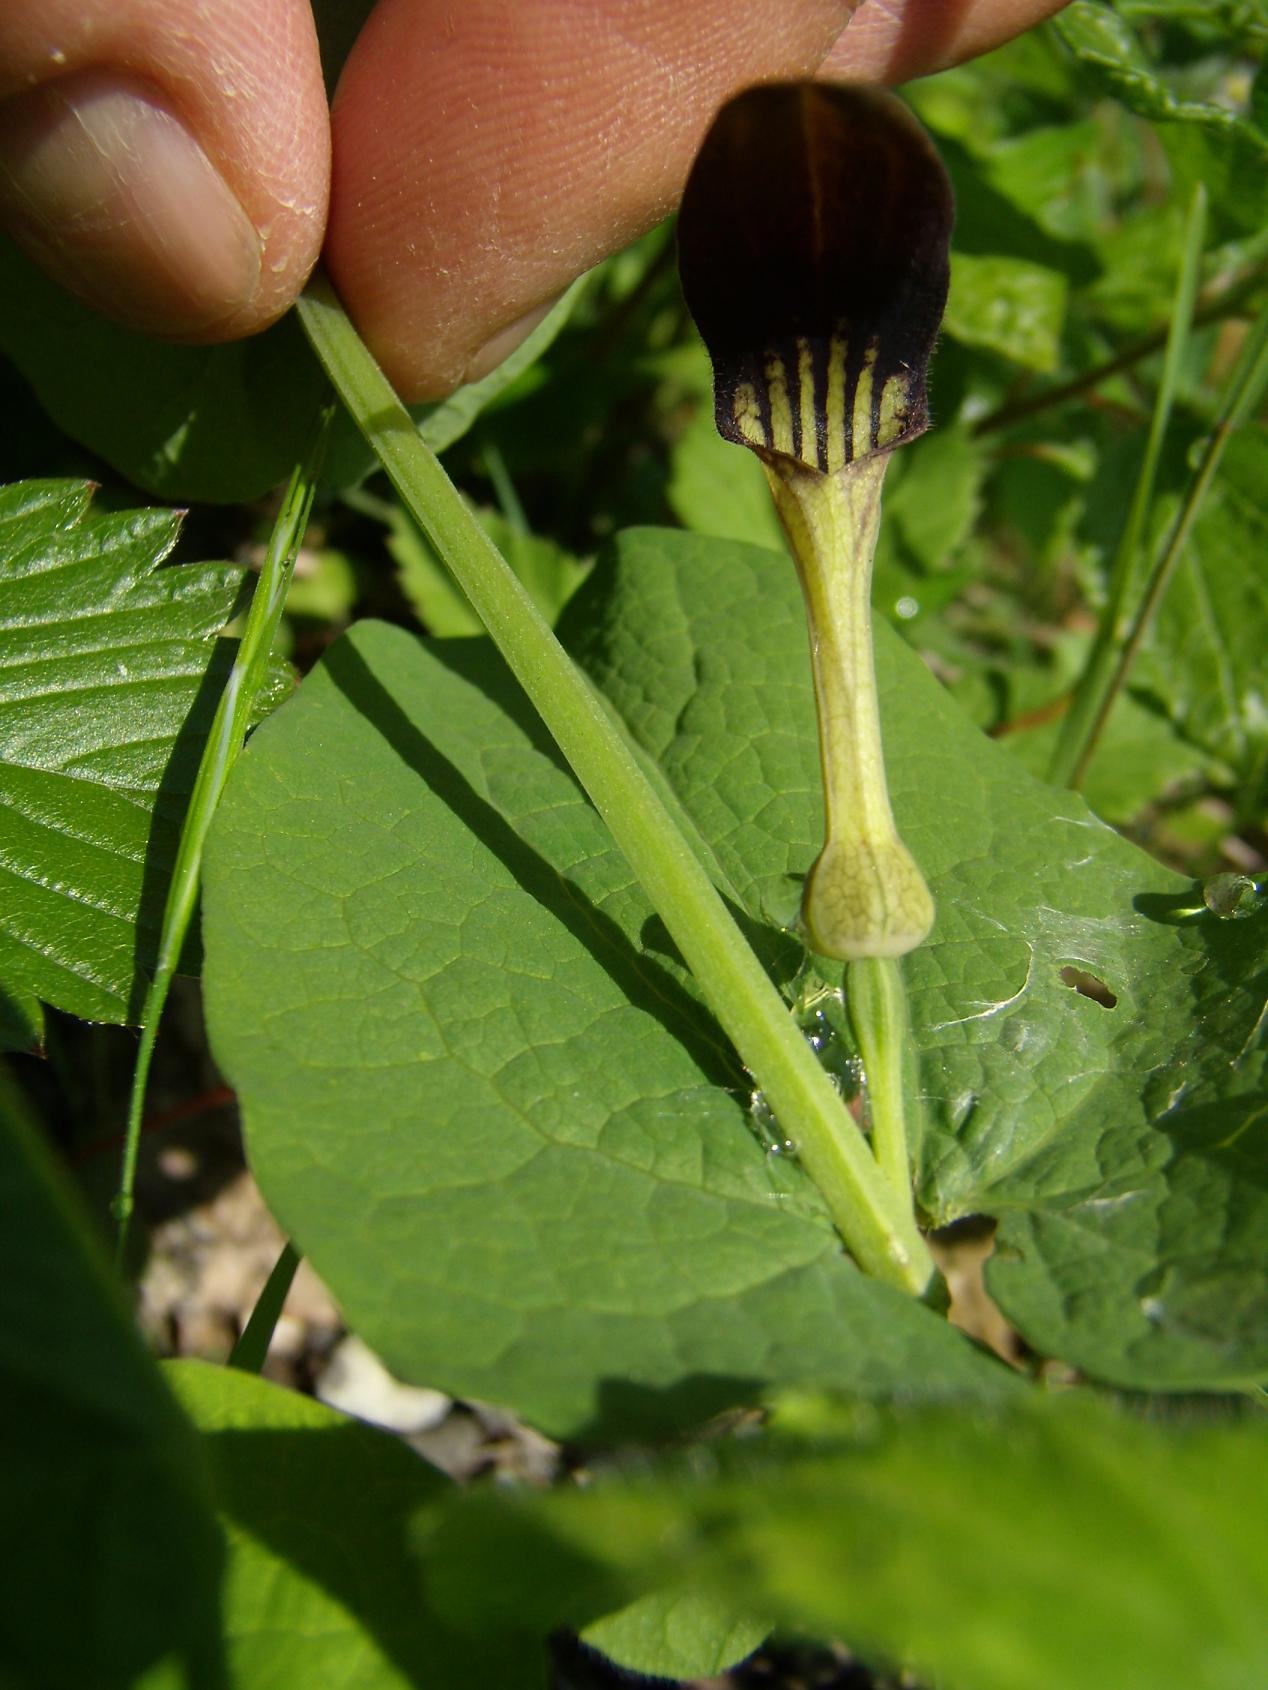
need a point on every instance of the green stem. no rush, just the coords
(877, 1226)
(228, 730)
(1241, 395)
(252, 1347)
(1096, 690)
(864, 896)
(877, 1000)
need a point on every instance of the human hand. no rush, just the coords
(170, 161)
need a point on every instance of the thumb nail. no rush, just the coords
(114, 198)
(499, 348)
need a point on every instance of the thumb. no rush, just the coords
(167, 161)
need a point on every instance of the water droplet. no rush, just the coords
(1231, 896)
(836, 1058)
(767, 1127)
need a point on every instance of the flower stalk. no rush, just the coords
(864, 896)
(814, 250)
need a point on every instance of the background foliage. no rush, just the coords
(478, 1085)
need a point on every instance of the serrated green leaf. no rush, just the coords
(549, 572)
(435, 597)
(478, 1089)
(1091, 1133)
(1051, 1543)
(1205, 141)
(1007, 305)
(322, 1516)
(113, 1558)
(109, 674)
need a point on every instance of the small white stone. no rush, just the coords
(356, 1381)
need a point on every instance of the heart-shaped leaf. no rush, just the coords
(480, 1092)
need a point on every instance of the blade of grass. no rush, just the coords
(1094, 691)
(1241, 395)
(228, 730)
(253, 1345)
(876, 1222)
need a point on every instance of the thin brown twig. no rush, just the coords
(1050, 712)
(159, 1120)
(1225, 304)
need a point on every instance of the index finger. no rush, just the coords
(484, 156)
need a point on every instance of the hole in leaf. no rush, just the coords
(961, 1251)
(1088, 986)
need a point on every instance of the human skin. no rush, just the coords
(173, 161)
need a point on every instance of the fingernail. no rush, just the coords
(504, 342)
(111, 194)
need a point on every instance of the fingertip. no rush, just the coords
(112, 194)
(167, 163)
(895, 43)
(487, 155)
(498, 348)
